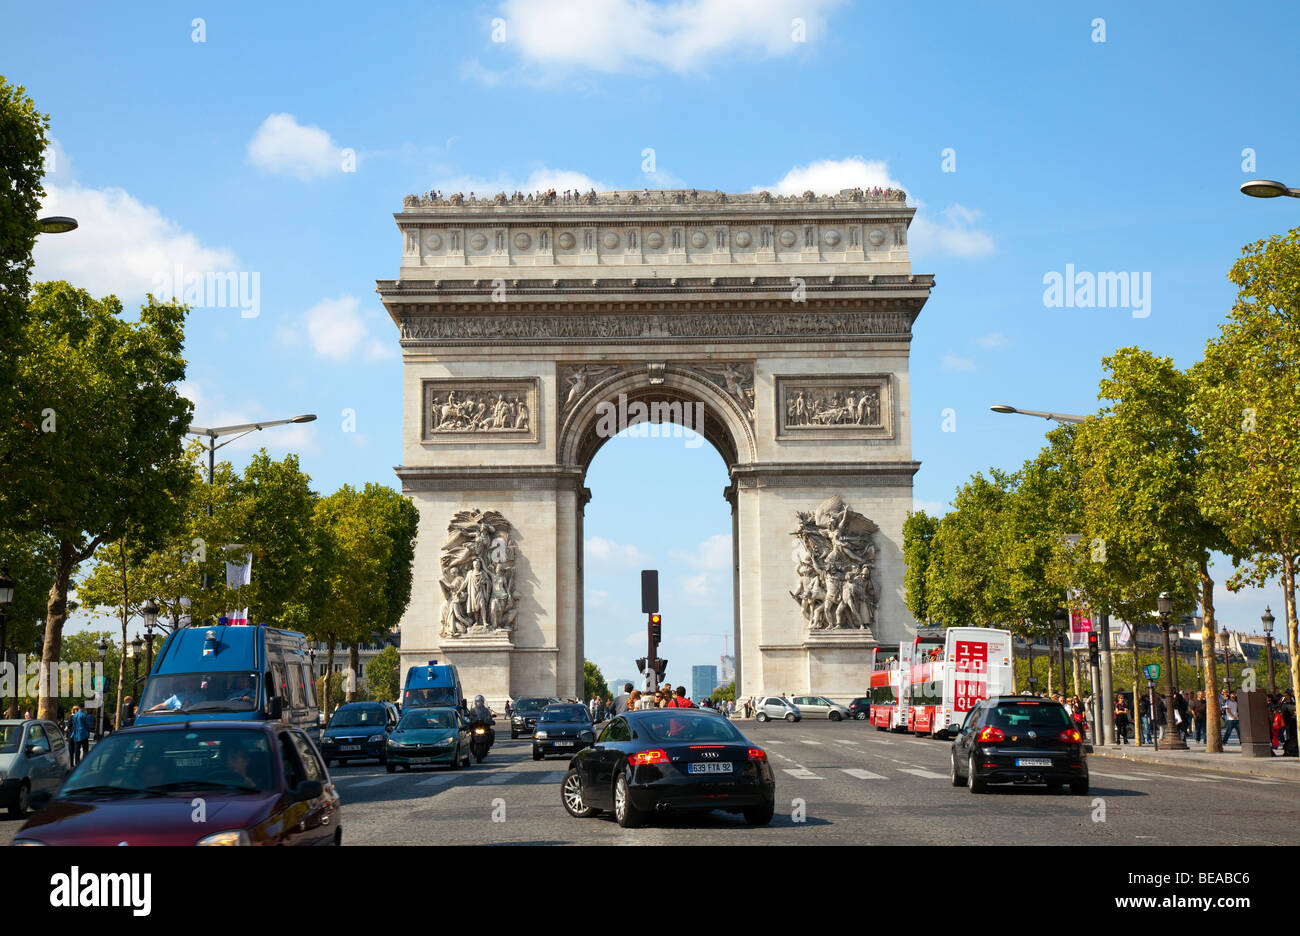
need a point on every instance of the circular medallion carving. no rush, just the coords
(478, 241)
(743, 239)
(699, 239)
(610, 240)
(787, 238)
(876, 237)
(566, 241)
(654, 239)
(831, 238)
(433, 242)
(522, 240)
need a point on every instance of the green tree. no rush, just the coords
(595, 686)
(1140, 477)
(274, 524)
(918, 532)
(382, 683)
(964, 583)
(725, 693)
(28, 559)
(1246, 407)
(102, 426)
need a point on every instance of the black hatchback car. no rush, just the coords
(861, 708)
(526, 712)
(661, 760)
(1019, 739)
(357, 730)
(564, 728)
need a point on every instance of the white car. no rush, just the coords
(774, 707)
(821, 707)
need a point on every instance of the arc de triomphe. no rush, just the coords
(528, 325)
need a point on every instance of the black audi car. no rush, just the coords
(526, 712)
(661, 760)
(861, 708)
(357, 730)
(1019, 739)
(564, 728)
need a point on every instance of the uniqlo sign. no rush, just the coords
(970, 679)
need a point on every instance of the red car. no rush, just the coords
(198, 783)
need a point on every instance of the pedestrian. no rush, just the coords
(1121, 718)
(683, 700)
(1198, 712)
(621, 700)
(79, 733)
(1144, 720)
(1230, 723)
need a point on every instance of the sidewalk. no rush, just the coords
(1230, 761)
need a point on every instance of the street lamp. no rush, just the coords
(150, 612)
(137, 646)
(57, 224)
(1061, 620)
(1173, 741)
(6, 596)
(1267, 188)
(1059, 417)
(103, 688)
(1268, 619)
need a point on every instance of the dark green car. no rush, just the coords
(429, 737)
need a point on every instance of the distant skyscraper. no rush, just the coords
(704, 679)
(616, 685)
(728, 669)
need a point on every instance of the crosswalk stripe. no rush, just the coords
(801, 773)
(806, 741)
(863, 774)
(845, 741)
(437, 780)
(375, 781)
(552, 776)
(1112, 776)
(1188, 779)
(927, 774)
(503, 776)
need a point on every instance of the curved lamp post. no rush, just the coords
(1267, 619)
(1059, 417)
(1267, 188)
(1173, 740)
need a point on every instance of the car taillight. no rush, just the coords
(991, 734)
(758, 754)
(1071, 736)
(656, 756)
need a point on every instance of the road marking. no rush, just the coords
(1249, 779)
(927, 774)
(845, 741)
(375, 781)
(863, 774)
(1113, 776)
(552, 776)
(801, 773)
(774, 741)
(879, 741)
(1188, 779)
(806, 741)
(437, 780)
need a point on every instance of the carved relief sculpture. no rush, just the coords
(844, 406)
(476, 410)
(835, 560)
(478, 576)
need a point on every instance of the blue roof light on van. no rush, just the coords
(210, 643)
(433, 662)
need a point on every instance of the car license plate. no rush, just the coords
(1032, 762)
(349, 747)
(421, 760)
(564, 744)
(709, 768)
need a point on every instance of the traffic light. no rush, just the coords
(640, 664)
(656, 627)
(1094, 655)
(661, 667)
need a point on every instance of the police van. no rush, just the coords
(431, 684)
(232, 672)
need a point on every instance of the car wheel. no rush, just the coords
(513, 736)
(976, 785)
(957, 779)
(789, 716)
(571, 796)
(1079, 787)
(628, 816)
(22, 803)
(760, 815)
(392, 768)
(836, 716)
(456, 760)
(537, 755)
(861, 716)
(761, 716)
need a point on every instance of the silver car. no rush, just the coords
(776, 707)
(821, 707)
(34, 762)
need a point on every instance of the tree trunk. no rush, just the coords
(1137, 728)
(1288, 591)
(121, 666)
(56, 615)
(1050, 669)
(1078, 684)
(329, 675)
(354, 676)
(1213, 737)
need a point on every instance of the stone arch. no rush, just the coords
(726, 427)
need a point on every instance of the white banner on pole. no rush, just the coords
(239, 574)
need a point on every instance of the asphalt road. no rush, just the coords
(837, 783)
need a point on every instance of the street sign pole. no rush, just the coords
(1107, 684)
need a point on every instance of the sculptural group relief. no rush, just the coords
(481, 410)
(841, 406)
(834, 560)
(478, 576)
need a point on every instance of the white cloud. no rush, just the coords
(951, 362)
(992, 341)
(338, 329)
(711, 554)
(829, 176)
(638, 36)
(952, 232)
(283, 146)
(538, 180)
(607, 552)
(121, 245)
(933, 508)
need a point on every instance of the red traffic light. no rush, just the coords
(1092, 640)
(656, 619)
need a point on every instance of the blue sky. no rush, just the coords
(228, 154)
